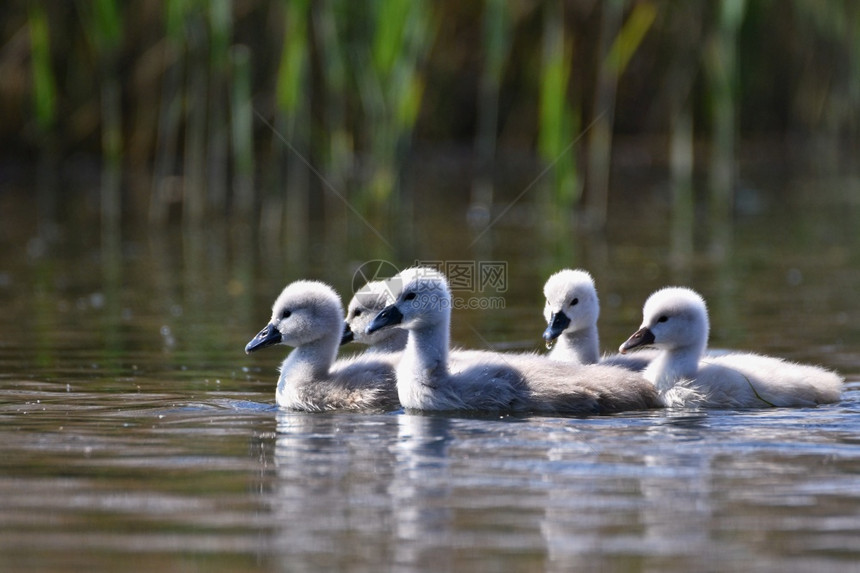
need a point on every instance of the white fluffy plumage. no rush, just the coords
(485, 381)
(675, 321)
(308, 316)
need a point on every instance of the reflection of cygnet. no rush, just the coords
(421, 492)
(675, 321)
(308, 316)
(571, 312)
(365, 304)
(493, 382)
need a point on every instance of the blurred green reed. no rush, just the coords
(102, 23)
(287, 188)
(221, 30)
(558, 127)
(242, 130)
(721, 71)
(625, 39)
(496, 34)
(44, 91)
(391, 85)
(271, 111)
(164, 188)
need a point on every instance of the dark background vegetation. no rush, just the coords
(252, 109)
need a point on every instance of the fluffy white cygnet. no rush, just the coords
(571, 312)
(308, 316)
(364, 306)
(489, 381)
(675, 321)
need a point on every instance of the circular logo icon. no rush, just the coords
(376, 277)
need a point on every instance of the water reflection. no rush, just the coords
(677, 488)
(330, 501)
(420, 492)
(131, 418)
(226, 474)
(376, 486)
(111, 261)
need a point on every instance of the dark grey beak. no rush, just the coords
(348, 335)
(386, 317)
(269, 336)
(558, 321)
(642, 337)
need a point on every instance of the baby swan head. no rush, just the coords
(571, 303)
(304, 312)
(366, 304)
(672, 318)
(423, 299)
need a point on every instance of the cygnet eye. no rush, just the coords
(285, 314)
(357, 312)
(409, 296)
(574, 302)
(663, 318)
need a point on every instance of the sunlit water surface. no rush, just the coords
(136, 435)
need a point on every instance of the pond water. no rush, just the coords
(135, 434)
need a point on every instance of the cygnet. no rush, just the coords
(493, 382)
(366, 304)
(675, 321)
(571, 312)
(309, 317)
